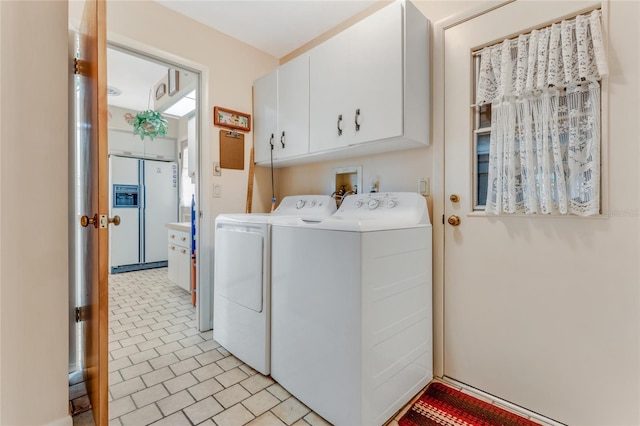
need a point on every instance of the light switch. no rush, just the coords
(217, 191)
(424, 186)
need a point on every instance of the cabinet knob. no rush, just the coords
(356, 119)
(339, 122)
(172, 236)
(173, 247)
(183, 238)
(282, 139)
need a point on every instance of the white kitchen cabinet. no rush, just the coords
(179, 256)
(329, 109)
(130, 145)
(368, 88)
(265, 116)
(281, 112)
(292, 138)
(125, 143)
(361, 75)
(160, 149)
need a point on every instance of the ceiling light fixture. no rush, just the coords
(113, 91)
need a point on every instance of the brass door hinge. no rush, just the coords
(81, 313)
(81, 67)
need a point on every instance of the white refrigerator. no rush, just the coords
(144, 193)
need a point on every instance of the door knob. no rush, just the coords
(115, 220)
(454, 198)
(86, 221)
(454, 220)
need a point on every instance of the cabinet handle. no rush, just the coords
(282, 139)
(339, 122)
(356, 119)
(271, 141)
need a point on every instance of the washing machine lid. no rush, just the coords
(370, 212)
(308, 206)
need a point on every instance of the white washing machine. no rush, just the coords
(351, 324)
(241, 301)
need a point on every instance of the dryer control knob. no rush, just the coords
(357, 203)
(311, 203)
(299, 204)
(373, 203)
(391, 204)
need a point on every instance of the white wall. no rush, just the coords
(33, 213)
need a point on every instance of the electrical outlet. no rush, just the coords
(424, 186)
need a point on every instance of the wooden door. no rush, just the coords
(516, 314)
(91, 181)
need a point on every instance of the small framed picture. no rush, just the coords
(230, 119)
(174, 81)
(161, 90)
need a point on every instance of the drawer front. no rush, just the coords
(179, 238)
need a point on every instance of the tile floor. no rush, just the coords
(162, 371)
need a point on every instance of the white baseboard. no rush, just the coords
(65, 421)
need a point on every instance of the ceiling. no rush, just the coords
(274, 26)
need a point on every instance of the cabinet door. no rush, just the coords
(184, 268)
(265, 108)
(293, 108)
(125, 143)
(375, 75)
(172, 268)
(160, 148)
(329, 113)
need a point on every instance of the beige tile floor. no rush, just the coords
(162, 371)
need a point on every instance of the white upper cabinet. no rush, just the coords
(375, 76)
(281, 112)
(265, 116)
(368, 90)
(293, 108)
(330, 114)
(130, 145)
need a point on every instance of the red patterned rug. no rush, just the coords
(442, 405)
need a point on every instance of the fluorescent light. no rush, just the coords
(184, 106)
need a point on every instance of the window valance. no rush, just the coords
(561, 55)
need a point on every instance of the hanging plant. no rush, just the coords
(149, 123)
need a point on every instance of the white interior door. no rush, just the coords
(523, 312)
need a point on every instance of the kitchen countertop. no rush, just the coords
(180, 226)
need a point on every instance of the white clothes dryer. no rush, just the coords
(242, 293)
(352, 307)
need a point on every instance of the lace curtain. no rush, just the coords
(545, 128)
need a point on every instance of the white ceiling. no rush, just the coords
(133, 76)
(274, 26)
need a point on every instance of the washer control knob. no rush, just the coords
(311, 203)
(373, 203)
(357, 203)
(299, 204)
(391, 204)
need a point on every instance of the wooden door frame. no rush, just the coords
(438, 171)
